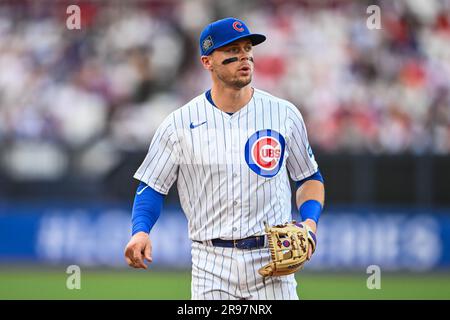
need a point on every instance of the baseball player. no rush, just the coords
(230, 150)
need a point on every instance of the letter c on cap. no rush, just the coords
(238, 26)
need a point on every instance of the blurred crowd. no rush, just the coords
(81, 97)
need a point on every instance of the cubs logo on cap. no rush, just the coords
(225, 31)
(264, 152)
(237, 25)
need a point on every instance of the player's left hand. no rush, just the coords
(312, 224)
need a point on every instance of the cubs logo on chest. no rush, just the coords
(264, 152)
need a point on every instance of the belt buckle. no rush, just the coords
(235, 243)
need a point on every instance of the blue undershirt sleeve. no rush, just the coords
(310, 209)
(316, 176)
(146, 208)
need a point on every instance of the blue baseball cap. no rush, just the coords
(225, 31)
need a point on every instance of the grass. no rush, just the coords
(38, 283)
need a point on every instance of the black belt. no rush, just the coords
(247, 243)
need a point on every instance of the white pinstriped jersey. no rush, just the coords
(231, 170)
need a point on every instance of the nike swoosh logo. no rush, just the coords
(196, 125)
(142, 190)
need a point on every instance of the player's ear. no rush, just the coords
(206, 62)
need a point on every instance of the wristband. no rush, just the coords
(310, 209)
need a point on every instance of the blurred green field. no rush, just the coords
(46, 283)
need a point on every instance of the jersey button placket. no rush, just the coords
(229, 132)
(234, 155)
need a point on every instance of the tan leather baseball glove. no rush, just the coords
(288, 245)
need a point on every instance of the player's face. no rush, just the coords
(233, 63)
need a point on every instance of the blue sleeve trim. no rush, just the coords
(146, 208)
(316, 176)
(310, 209)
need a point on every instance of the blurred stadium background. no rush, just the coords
(78, 109)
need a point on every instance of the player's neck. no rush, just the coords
(231, 99)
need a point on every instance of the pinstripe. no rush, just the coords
(186, 186)
(249, 184)
(226, 164)
(272, 179)
(182, 171)
(228, 270)
(190, 159)
(246, 275)
(232, 180)
(218, 173)
(256, 178)
(221, 270)
(187, 157)
(300, 135)
(212, 192)
(150, 152)
(265, 284)
(263, 193)
(228, 198)
(165, 157)
(254, 275)
(289, 293)
(210, 168)
(305, 158)
(224, 131)
(169, 171)
(241, 202)
(281, 209)
(236, 287)
(165, 163)
(264, 184)
(299, 121)
(204, 177)
(196, 259)
(270, 185)
(256, 193)
(202, 273)
(197, 180)
(278, 181)
(205, 268)
(233, 207)
(289, 164)
(159, 158)
(249, 198)
(281, 290)
(200, 204)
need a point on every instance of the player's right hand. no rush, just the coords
(138, 249)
